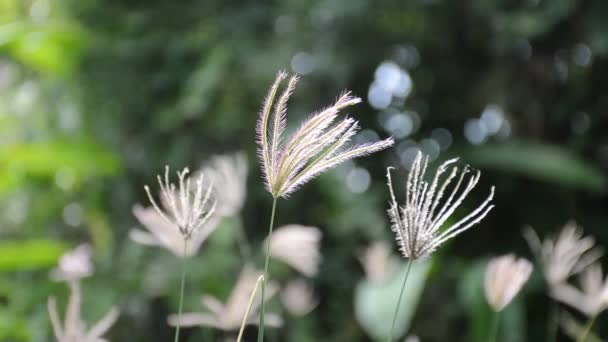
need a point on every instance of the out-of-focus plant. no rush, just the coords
(375, 294)
(73, 266)
(504, 278)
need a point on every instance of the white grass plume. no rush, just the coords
(73, 328)
(167, 235)
(314, 147)
(186, 207)
(416, 224)
(228, 316)
(228, 172)
(504, 278)
(592, 298)
(565, 255)
(298, 246)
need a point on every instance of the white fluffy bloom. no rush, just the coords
(416, 224)
(298, 297)
(229, 316)
(229, 176)
(378, 262)
(314, 147)
(298, 246)
(167, 235)
(74, 264)
(565, 255)
(505, 276)
(186, 208)
(73, 328)
(592, 298)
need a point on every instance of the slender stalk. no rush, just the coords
(587, 329)
(407, 273)
(552, 323)
(494, 328)
(181, 292)
(244, 322)
(261, 326)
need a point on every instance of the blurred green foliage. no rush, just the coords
(96, 96)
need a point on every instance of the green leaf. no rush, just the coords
(12, 327)
(375, 302)
(81, 158)
(543, 162)
(52, 47)
(30, 254)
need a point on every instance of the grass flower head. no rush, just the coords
(298, 246)
(187, 208)
(314, 147)
(565, 255)
(165, 234)
(592, 297)
(228, 316)
(228, 173)
(505, 276)
(416, 223)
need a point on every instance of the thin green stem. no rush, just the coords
(244, 322)
(587, 329)
(181, 292)
(494, 328)
(552, 322)
(269, 238)
(407, 273)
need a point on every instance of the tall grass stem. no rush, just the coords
(407, 273)
(244, 322)
(181, 292)
(494, 328)
(587, 329)
(266, 262)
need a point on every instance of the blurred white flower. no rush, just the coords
(505, 276)
(186, 208)
(298, 297)
(378, 262)
(73, 328)
(298, 246)
(74, 264)
(165, 234)
(412, 338)
(229, 176)
(229, 316)
(416, 224)
(316, 146)
(567, 254)
(592, 298)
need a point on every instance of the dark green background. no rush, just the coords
(108, 92)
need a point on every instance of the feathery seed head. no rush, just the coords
(505, 276)
(228, 173)
(416, 224)
(228, 316)
(74, 265)
(314, 147)
(73, 328)
(298, 246)
(298, 297)
(187, 207)
(592, 298)
(565, 255)
(166, 234)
